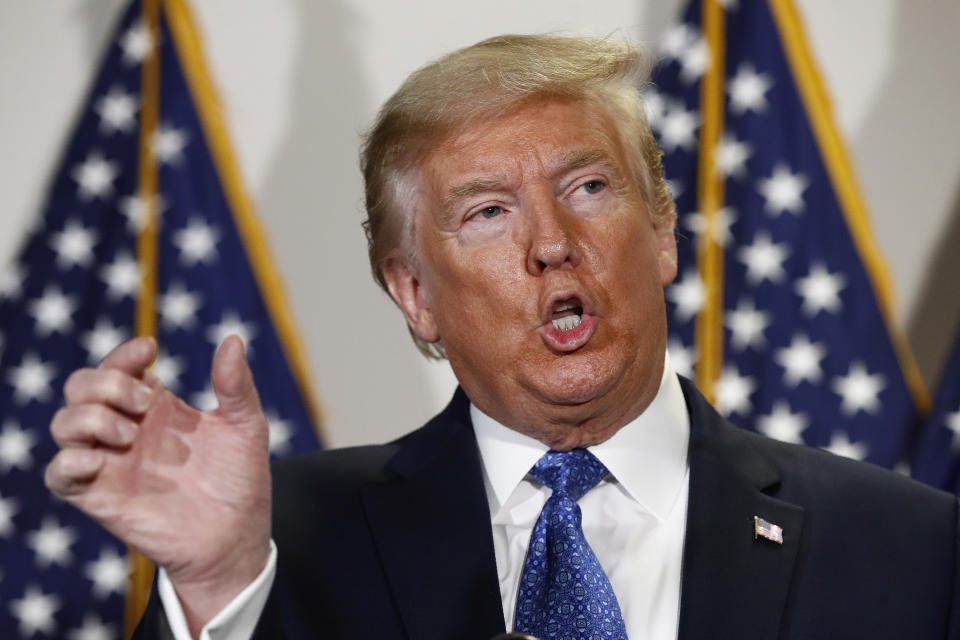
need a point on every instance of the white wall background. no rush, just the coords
(299, 79)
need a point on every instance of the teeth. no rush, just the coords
(567, 323)
(565, 307)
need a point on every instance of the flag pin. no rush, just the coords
(768, 530)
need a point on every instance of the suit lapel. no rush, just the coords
(431, 525)
(733, 585)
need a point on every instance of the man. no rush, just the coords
(519, 219)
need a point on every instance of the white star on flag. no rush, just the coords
(763, 259)
(722, 220)
(280, 433)
(53, 312)
(782, 424)
(859, 390)
(733, 391)
(168, 369)
(731, 157)
(108, 573)
(820, 290)
(675, 187)
(677, 40)
(93, 629)
(688, 294)
(102, 339)
(15, 446)
(137, 43)
(654, 107)
(677, 128)
(801, 361)
(747, 324)
(74, 245)
(841, 445)
(122, 276)
(117, 110)
(178, 307)
(230, 324)
(783, 191)
(197, 242)
(682, 358)
(35, 612)
(95, 177)
(748, 90)
(31, 380)
(695, 60)
(168, 144)
(135, 209)
(52, 543)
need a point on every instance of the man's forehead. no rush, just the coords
(550, 137)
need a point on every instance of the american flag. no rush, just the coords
(768, 530)
(93, 271)
(938, 453)
(781, 308)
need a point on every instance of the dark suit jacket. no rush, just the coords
(394, 542)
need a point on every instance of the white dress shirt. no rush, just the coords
(634, 520)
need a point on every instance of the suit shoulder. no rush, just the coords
(811, 476)
(818, 475)
(335, 467)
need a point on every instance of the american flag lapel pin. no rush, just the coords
(768, 530)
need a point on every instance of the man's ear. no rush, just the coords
(408, 292)
(666, 248)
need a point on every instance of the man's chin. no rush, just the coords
(572, 386)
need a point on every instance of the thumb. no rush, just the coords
(233, 381)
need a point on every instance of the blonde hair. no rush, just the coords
(484, 81)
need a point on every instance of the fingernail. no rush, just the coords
(142, 395)
(126, 430)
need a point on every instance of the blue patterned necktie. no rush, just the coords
(564, 593)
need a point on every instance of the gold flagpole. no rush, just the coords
(141, 569)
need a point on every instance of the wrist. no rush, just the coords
(203, 594)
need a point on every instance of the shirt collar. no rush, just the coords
(647, 457)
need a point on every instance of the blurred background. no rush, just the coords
(299, 80)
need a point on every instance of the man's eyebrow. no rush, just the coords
(471, 188)
(584, 157)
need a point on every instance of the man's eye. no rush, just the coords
(593, 186)
(491, 212)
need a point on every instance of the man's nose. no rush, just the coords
(552, 237)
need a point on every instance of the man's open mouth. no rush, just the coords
(567, 316)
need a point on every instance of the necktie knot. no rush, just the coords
(569, 472)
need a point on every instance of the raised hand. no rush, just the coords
(188, 489)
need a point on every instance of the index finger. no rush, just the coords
(132, 357)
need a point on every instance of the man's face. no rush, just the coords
(541, 272)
